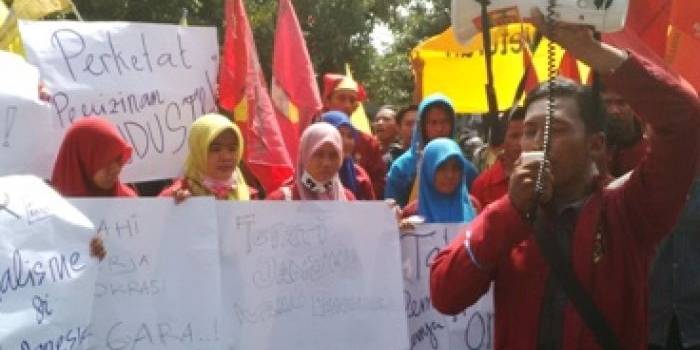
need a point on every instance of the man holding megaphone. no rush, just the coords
(574, 274)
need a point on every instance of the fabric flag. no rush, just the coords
(9, 31)
(359, 117)
(649, 20)
(294, 90)
(531, 79)
(568, 68)
(242, 90)
(35, 9)
(684, 40)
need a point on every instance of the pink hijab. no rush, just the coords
(315, 136)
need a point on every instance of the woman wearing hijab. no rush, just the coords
(442, 193)
(436, 118)
(352, 175)
(90, 160)
(211, 168)
(320, 159)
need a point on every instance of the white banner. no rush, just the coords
(28, 141)
(312, 275)
(151, 80)
(429, 329)
(47, 277)
(159, 287)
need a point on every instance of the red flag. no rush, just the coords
(649, 20)
(684, 41)
(295, 94)
(531, 79)
(242, 90)
(568, 67)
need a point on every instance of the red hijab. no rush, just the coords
(90, 144)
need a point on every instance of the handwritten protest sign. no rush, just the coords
(472, 329)
(28, 141)
(151, 80)
(310, 275)
(47, 277)
(159, 287)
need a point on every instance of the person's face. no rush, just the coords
(348, 137)
(106, 177)
(222, 156)
(622, 117)
(343, 100)
(572, 149)
(385, 127)
(407, 124)
(438, 123)
(324, 163)
(511, 143)
(448, 177)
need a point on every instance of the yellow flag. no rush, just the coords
(35, 9)
(9, 32)
(359, 117)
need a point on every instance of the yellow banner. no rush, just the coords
(459, 71)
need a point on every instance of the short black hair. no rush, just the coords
(403, 111)
(590, 106)
(383, 108)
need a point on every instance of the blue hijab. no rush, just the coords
(404, 169)
(433, 205)
(347, 170)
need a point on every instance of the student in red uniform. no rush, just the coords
(352, 175)
(607, 236)
(320, 159)
(492, 184)
(90, 160)
(211, 168)
(342, 93)
(626, 142)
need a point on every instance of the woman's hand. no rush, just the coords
(97, 248)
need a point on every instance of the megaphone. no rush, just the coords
(604, 15)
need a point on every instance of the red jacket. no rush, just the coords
(368, 154)
(623, 160)
(613, 265)
(491, 185)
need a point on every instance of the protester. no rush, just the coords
(320, 159)
(436, 118)
(386, 129)
(492, 184)
(406, 120)
(442, 193)
(343, 93)
(626, 142)
(90, 160)
(211, 168)
(352, 175)
(605, 236)
(674, 312)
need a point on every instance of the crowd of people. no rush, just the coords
(617, 179)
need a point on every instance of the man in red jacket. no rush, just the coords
(342, 93)
(607, 234)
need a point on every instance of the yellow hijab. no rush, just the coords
(203, 132)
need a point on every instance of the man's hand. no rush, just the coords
(579, 40)
(521, 188)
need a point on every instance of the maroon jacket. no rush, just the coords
(368, 154)
(614, 239)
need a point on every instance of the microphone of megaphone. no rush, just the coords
(604, 15)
